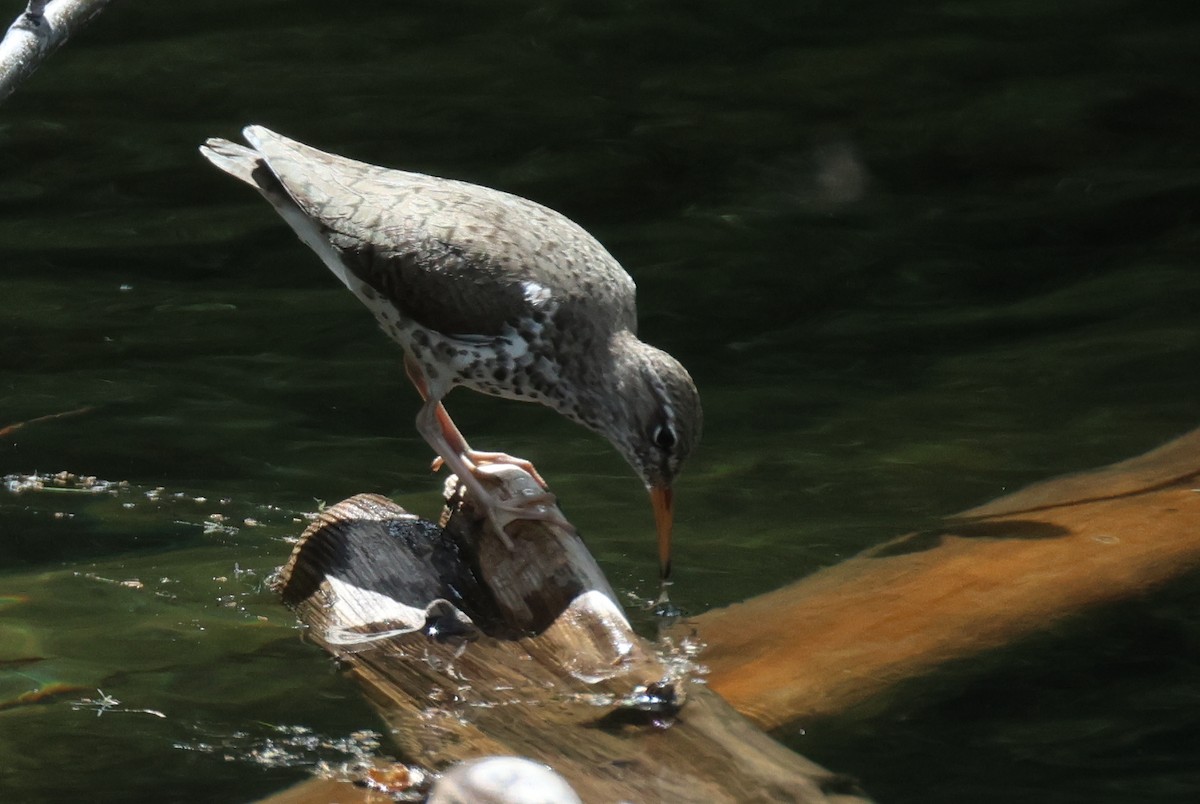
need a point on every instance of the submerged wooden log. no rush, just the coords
(467, 648)
(992, 575)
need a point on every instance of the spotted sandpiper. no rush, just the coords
(492, 292)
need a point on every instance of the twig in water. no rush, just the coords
(12, 428)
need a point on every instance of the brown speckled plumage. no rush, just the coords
(483, 289)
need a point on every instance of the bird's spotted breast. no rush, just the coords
(518, 363)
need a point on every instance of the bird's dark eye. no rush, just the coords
(664, 436)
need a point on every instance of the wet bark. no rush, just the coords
(467, 648)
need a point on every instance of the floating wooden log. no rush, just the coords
(990, 576)
(468, 648)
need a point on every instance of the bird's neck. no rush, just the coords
(602, 385)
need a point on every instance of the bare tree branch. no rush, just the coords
(38, 32)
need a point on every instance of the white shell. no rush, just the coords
(501, 780)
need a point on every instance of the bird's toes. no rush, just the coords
(479, 458)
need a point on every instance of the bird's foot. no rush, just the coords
(478, 458)
(530, 505)
(539, 508)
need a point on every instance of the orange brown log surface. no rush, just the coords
(992, 575)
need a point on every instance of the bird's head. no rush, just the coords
(660, 426)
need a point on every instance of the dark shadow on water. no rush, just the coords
(1006, 529)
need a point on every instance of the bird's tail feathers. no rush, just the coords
(236, 160)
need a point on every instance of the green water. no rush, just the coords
(915, 256)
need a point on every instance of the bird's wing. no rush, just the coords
(455, 257)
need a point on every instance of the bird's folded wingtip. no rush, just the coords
(258, 135)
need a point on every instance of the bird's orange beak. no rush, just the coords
(664, 516)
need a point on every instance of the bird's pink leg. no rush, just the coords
(435, 425)
(479, 457)
(454, 437)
